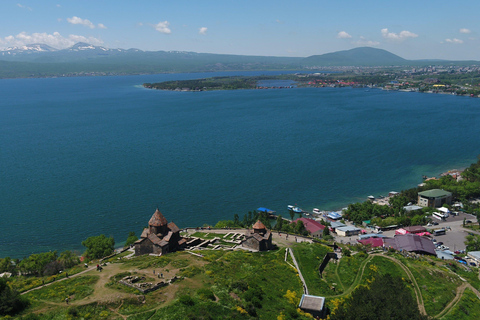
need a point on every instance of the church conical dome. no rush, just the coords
(157, 220)
(259, 225)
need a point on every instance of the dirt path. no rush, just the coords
(418, 293)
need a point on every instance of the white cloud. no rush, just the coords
(454, 40)
(101, 26)
(23, 7)
(465, 30)
(365, 42)
(398, 36)
(162, 27)
(84, 22)
(202, 30)
(55, 40)
(343, 35)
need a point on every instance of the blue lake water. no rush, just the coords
(84, 156)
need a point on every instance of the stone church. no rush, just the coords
(259, 238)
(160, 237)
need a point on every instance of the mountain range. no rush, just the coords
(40, 60)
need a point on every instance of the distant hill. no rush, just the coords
(40, 60)
(363, 56)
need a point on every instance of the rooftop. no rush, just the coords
(434, 193)
(311, 302)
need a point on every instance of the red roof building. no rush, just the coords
(315, 228)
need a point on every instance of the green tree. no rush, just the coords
(98, 246)
(7, 265)
(279, 224)
(11, 302)
(292, 214)
(387, 297)
(131, 239)
(36, 263)
(473, 242)
(236, 219)
(68, 259)
(325, 232)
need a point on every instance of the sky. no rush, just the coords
(421, 29)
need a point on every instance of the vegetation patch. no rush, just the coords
(309, 256)
(467, 308)
(438, 287)
(76, 288)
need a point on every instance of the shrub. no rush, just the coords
(186, 300)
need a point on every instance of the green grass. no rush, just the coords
(438, 287)
(309, 257)
(78, 287)
(349, 267)
(467, 308)
(206, 235)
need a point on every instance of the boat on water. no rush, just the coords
(294, 209)
(316, 211)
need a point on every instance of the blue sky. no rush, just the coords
(411, 29)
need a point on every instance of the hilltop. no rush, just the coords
(214, 284)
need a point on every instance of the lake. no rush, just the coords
(86, 156)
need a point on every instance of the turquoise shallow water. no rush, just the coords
(85, 156)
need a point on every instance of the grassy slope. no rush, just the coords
(239, 284)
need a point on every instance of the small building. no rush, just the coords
(334, 216)
(259, 238)
(412, 208)
(393, 193)
(347, 231)
(475, 255)
(336, 224)
(314, 305)
(434, 198)
(160, 237)
(374, 242)
(415, 229)
(313, 227)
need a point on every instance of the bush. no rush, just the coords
(186, 300)
(11, 302)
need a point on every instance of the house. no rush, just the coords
(160, 237)
(314, 305)
(335, 225)
(313, 227)
(347, 231)
(374, 242)
(411, 243)
(434, 198)
(259, 238)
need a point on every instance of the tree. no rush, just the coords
(236, 219)
(473, 242)
(325, 232)
(387, 297)
(68, 259)
(36, 263)
(131, 239)
(7, 265)
(11, 302)
(98, 246)
(292, 214)
(279, 224)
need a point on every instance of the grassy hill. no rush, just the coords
(223, 284)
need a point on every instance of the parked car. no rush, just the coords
(435, 223)
(468, 221)
(439, 243)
